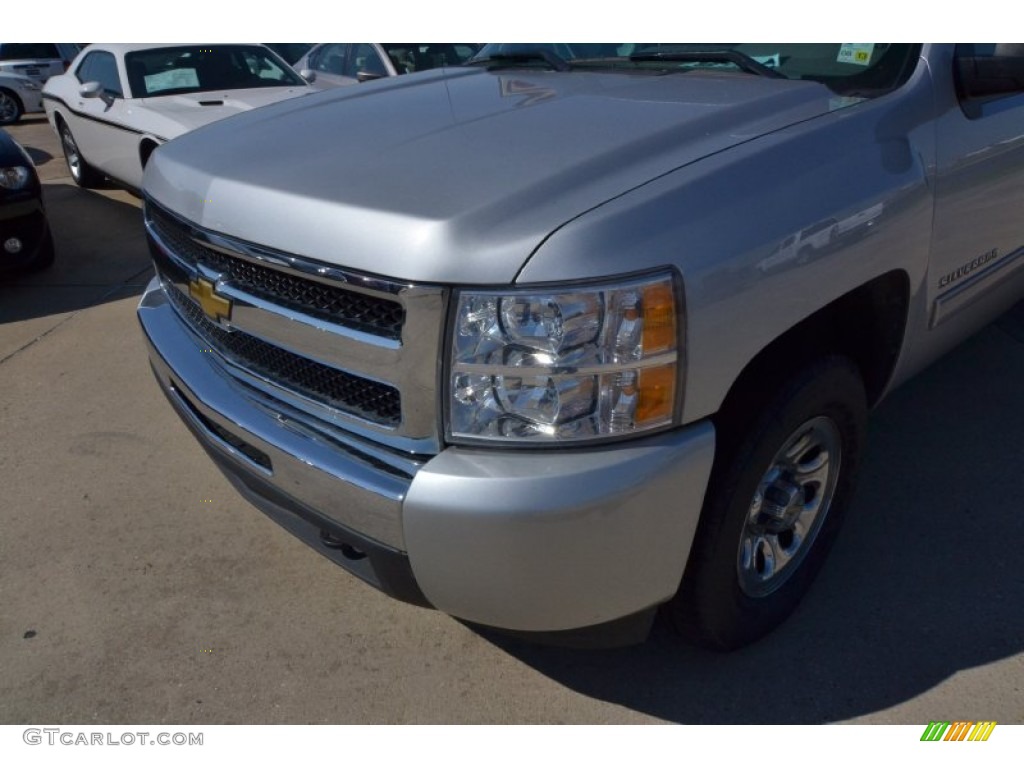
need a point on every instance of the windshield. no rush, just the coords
(189, 69)
(854, 69)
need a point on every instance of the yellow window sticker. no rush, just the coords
(855, 53)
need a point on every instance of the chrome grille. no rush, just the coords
(370, 314)
(340, 349)
(361, 397)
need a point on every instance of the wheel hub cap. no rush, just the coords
(782, 505)
(789, 507)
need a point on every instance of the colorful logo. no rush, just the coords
(961, 730)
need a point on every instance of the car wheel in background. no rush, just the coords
(10, 107)
(83, 174)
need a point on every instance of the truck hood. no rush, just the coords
(456, 176)
(171, 116)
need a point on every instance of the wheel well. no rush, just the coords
(866, 325)
(146, 147)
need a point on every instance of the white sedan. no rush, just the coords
(117, 103)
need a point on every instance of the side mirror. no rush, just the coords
(996, 75)
(309, 75)
(362, 77)
(91, 90)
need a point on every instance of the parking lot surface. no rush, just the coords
(136, 586)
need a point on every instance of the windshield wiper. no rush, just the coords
(499, 60)
(741, 60)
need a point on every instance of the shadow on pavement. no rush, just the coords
(924, 581)
(101, 248)
(39, 156)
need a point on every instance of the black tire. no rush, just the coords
(145, 151)
(11, 108)
(83, 174)
(732, 593)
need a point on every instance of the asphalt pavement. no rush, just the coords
(136, 586)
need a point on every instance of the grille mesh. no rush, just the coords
(351, 309)
(367, 399)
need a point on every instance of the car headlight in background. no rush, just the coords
(29, 85)
(14, 178)
(550, 366)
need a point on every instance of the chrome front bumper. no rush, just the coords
(531, 541)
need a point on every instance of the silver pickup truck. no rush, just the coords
(529, 340)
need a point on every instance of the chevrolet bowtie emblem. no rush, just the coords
(215, 307)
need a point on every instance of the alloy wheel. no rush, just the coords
(74, 160)
(9, 109)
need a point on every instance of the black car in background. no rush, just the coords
(25, 239)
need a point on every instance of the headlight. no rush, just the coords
(30, 85)
(14, 178)
(545, 366)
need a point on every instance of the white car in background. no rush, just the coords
(117, 103)
(18, 94)
(338, 64)
(39, 61)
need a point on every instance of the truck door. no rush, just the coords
(977, 264)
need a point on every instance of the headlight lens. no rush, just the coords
(14, 178)
(30, 85)
(553, 366)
